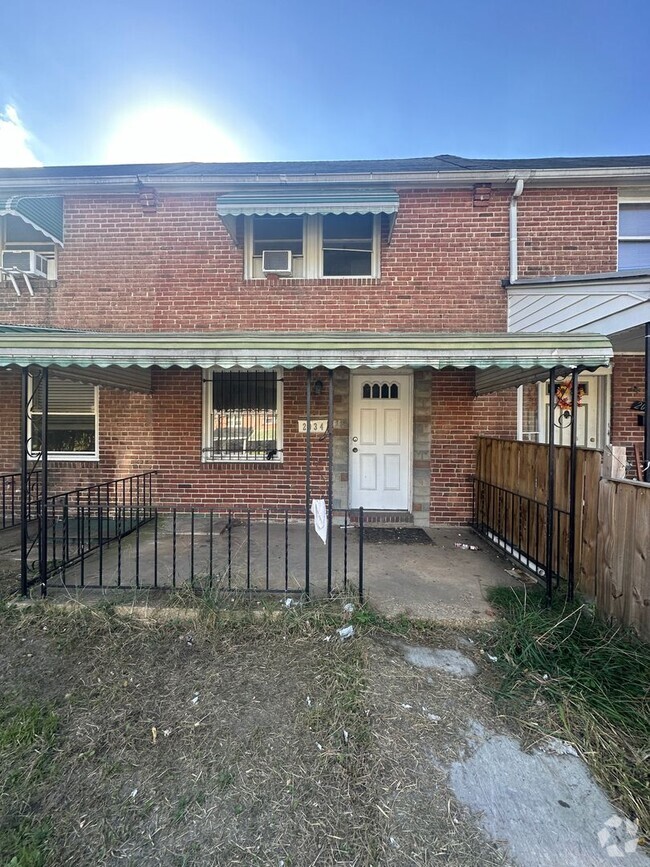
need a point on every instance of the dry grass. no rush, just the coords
(238, 736)
(232, 732)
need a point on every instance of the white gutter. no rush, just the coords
(519, 188)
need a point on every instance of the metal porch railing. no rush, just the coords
(83, 520)
(10, 498)
(518, 526)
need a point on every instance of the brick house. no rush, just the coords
(193, 317)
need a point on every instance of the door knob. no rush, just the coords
(355, 449)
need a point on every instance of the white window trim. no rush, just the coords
(312, 250)
(66, 456)
(207, 430)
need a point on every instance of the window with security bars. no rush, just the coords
(243, 416)
(71, 419)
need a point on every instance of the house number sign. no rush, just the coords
(317, 425)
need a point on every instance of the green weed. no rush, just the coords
(595, 678)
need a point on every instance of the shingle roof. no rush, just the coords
(441, 163)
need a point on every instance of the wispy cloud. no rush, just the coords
(15, 141)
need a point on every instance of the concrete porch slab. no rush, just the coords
(438, 581)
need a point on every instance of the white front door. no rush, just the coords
(380, 441)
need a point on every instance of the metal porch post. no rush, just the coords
(330, 475)
(574, 480)
(646, 429)
(550, 502)
(44, 486)
(307, 480)
(24, 478)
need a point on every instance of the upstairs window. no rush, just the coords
(321, 245)
(633, 235)
(348, 245)
(17, 236)
(71, 420)
(242, 416)
(278, 233)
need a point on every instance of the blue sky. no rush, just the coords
(282, 80)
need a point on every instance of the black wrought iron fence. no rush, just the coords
(82, 521)
(237, 549)
(10, 498)
(518, 525)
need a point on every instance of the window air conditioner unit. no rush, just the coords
(27, 262)
(276, 261)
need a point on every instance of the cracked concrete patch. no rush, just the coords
(447, 661)
(545, 806)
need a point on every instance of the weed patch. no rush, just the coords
(27, 735)
(589, 682)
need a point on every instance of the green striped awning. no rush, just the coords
(292, 201)
(300, 201)
(530, 354)
(44, 213)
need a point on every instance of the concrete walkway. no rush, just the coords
(435, 582)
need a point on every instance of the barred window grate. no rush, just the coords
(244, 415)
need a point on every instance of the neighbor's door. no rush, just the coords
(591, 422)
(380, 442)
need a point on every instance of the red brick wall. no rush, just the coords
(628, 383)
(567, 231)
(183, 479)
(176, 268)
(9, 421)
(457, 420)
(163, 432)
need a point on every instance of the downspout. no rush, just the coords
(519, 188)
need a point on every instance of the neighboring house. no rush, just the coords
(180, 307)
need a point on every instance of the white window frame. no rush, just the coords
(312, 251)
(46, 248)
(629, 199)
(207, 457)
(66, 456)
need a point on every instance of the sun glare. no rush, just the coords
(167, 134)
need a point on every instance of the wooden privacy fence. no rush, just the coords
(510, 506)
(623, 565)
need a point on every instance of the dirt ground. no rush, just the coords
(205, 743)
(251, 736)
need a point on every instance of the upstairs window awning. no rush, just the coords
(300, 202)
(43, 213)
